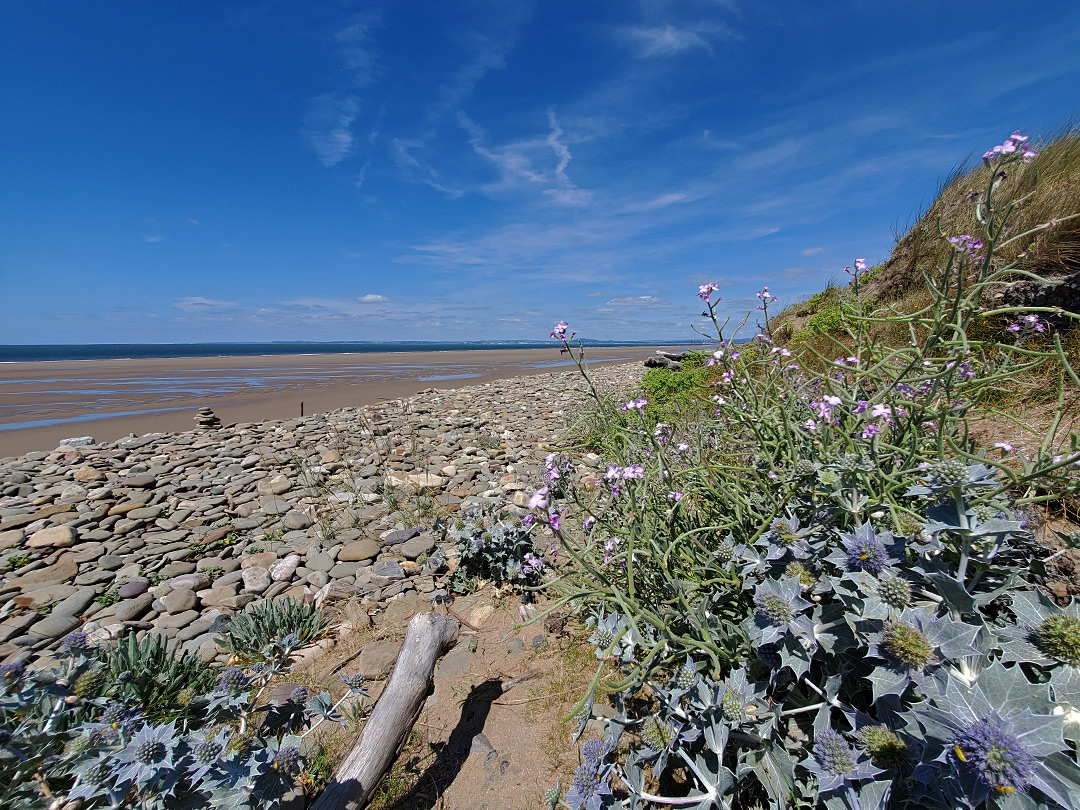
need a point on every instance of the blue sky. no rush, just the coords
(196, 171)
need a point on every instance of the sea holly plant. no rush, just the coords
(818, 590)
(79, 733)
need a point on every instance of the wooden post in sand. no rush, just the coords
(353, 784)
(301, 409)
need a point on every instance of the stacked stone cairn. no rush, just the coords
(175, 533)
(205, 419)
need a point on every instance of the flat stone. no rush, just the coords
(276, 506)
(180, 600)
(86, 474)
(175, 569)
(45, 595)
(131, 609)
(52, 537)
(191, 582)
(134, 587)
(275, 485)
(63, 570)
(480, 614)
(419, 546)
(366, 549)
(345, 569)
(387, 569)
(54, 626)
(11, 538)
(399, 536)
(138, 481)
(176, 620)
(88, 552)
(377, 658)
(318, 560)
(295, 521)
(426, 483)
(75, 604)
(399, 611)
(283, 570)
(264, 559)
(256, 580)
(456, 661)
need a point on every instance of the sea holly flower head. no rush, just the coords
(996, 757)
(778, 609)
(914, 646)
(836, 763)
(887, 750)
(149, 755)
(866, 550)
(993, 738)
(589, 788)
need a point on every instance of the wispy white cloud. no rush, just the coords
(153, 237)
(373, 298)
(812, 251)
(328, 127)
(636, 301)
(195, 303)
(662, 41)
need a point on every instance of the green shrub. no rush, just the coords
(154, 673)
(257, 632)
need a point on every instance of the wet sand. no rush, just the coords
(44, 402)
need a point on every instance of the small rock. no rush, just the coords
(131, 609)
(54, 626)
(378, 658)
(134, 587)
(295, 521)
(282, 570)
(256, 580)
(52, 537)
(418, 546)
(77, 441)
(179, 600)
(366, 549)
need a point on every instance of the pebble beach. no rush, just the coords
(174, 532)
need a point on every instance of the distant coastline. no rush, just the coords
(38, 353)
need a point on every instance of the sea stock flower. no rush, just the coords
(675, 496)
(1012, 144)
(559, 332)
(635, 404)
(706, 290)
(539, 499)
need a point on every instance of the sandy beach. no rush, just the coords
(42, 403)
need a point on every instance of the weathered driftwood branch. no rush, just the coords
(664, 360)
(429, 636)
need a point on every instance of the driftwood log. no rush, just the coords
(665, 360)
(429, 636)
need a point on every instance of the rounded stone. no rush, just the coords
(256, 580)
(52, 537)
(366, 549)
(297, 520)
(179, 600)
(282, 570)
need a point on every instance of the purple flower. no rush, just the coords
(635, 404)
(539, 499)
(705, 290)
(870, 431)
(588, 522)
(559, 332)
(675, 496)
(994, 756)
(555, 520)
(860, 406)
